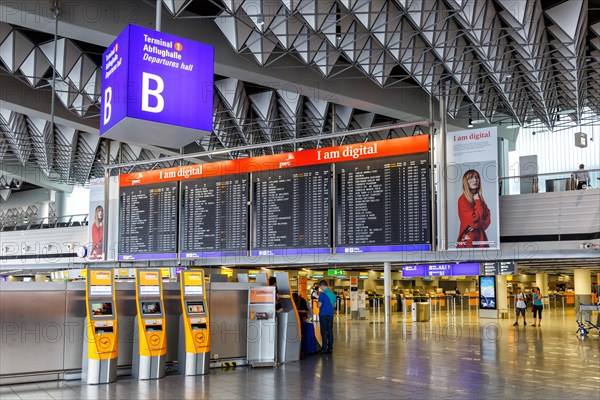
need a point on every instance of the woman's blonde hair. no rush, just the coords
(465, 185)
(97, 222)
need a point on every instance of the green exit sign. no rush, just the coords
(336, 272)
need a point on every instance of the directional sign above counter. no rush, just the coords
(499, 268)
(156, 88)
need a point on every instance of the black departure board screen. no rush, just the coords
(292, 211)
(383, 205)
(214, 217)
(148, 222)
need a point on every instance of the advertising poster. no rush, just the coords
(96, 225)
(487, 292)
(472, 181)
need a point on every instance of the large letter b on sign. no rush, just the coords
(147, 92)
(107, 105)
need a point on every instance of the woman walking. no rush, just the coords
(537, 307)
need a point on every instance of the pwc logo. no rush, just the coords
(178, 46)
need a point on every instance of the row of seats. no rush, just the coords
(24, 227)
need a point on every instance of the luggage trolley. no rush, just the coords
(583, 319)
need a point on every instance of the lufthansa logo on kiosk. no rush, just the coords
(154, 340)
(200, 337)
(104, 343)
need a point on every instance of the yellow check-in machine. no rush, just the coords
(150, 349)
(194, 334)
(100, 343)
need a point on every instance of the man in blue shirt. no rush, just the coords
(326, 304)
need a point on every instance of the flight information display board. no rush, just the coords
(291, 211)
(148, 222)
(214, 217)
(383, 205)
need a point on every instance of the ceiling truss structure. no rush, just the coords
(530, 61)
(243, 114)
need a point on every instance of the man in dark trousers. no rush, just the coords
(326, 304)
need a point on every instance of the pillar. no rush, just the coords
(501, 295)
(442, 186)
(583, 287)
(43, 210)
(541, 281)
(60, 203)
(387, 291)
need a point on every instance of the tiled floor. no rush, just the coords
(458, 357)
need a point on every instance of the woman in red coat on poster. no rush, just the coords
(473, 213)
(97, 234)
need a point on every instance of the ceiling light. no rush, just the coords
(478, 121)
(533, 133)
(513, 126)
(470, 123)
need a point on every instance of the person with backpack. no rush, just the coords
(326, 310)
(520, 305)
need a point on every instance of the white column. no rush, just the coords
(541, 281)
(501, 293)
(387, 291)
(583, 287)
(43, 210)
(60, 203)
(442, 187)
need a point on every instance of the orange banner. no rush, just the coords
(262, 295)
(327, 155)
(303, 286)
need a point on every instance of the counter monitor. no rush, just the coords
(151, 308)
(102, 309)
(195, 307)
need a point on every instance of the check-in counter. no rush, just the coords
(473, 299)
(49, 318)
(570, 299)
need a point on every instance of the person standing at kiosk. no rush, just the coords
(326, 302)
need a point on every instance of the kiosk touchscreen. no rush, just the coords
(194, 335)
(262, 327)
(150, 349)
(100, 345)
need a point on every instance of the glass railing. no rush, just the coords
(44, 223)
(545, 183)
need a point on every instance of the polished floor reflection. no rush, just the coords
(450, 357)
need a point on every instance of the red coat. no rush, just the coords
(97, 238)
(474, 220)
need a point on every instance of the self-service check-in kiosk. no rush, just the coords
(100, 346)
(288, 322)
(194, 338)
(150, 349)
(262, 327)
